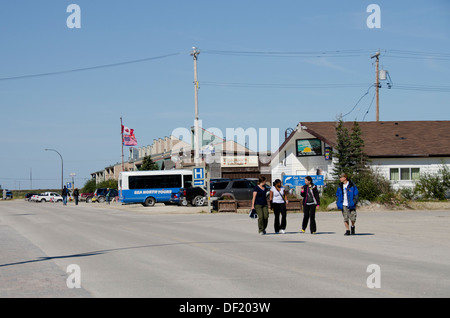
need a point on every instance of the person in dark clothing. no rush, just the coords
(259, 203)
(311, 202)
(64, 195)
(108, 196)
(76, 193)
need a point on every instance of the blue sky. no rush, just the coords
(78, 113)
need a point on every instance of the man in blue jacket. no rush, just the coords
(346, 200)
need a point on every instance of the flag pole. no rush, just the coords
(121, 141)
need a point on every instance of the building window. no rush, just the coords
(405, 174)
(396, 174)
(415, 173)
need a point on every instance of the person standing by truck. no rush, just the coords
(76, 194)
(108, 196)
(64, 195)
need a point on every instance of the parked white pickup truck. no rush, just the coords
(47, 197)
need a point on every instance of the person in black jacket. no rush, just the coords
(76, 193)
(64, 195)
(311, 201)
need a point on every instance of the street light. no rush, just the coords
(62, 167)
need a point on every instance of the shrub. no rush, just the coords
(409, 193)
(90, 186)
(434, 186)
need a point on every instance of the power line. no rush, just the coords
(370, 106)
(416, 87)
(359, 100)
(298, 54)
(89, 68)
(423, 88)
(286, 85)
(336, 53)
(407, 54)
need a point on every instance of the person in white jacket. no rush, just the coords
(278, 201)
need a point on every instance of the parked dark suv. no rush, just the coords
(238, 189)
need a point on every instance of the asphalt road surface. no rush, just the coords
(132, 251)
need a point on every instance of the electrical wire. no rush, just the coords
(370, 106)
(422, 88)
(89, 68)
(287, 85)
(365, 94)
(337, 53)
(414, 87)
(406, 54)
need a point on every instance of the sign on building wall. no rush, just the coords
(328, 153)
(239, 161)
(294, 181)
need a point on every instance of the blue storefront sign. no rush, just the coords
(294, 181)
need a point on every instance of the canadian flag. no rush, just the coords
(127, 131)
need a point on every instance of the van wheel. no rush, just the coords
(149, 201)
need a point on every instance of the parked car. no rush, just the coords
(47, 197)
(237, 189)
(100, 194)
(86, 197)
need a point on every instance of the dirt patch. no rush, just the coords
(411, 205)
(439, 205)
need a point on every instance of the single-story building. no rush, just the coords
(399, 150)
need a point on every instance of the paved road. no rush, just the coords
(131, 251)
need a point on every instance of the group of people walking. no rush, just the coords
(66, 193)
(346, 200)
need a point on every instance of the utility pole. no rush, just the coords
(197, 160)
(121, 137)
(195, 54)
(377, 83)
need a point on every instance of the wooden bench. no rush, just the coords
(293, 204)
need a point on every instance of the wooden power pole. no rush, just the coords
(377, 83)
